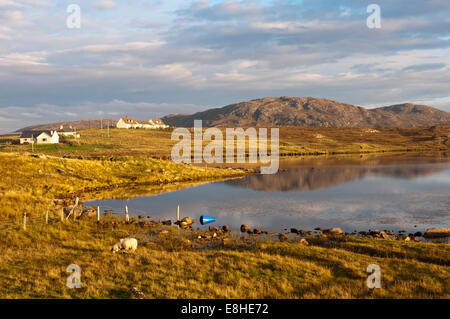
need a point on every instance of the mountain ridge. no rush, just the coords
(310, 111)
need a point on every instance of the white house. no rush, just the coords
(39, 137)
(128, 122)
(68, 131)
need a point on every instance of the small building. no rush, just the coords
(157, 123)
(39, 137)
(68, 131)
(128, 122)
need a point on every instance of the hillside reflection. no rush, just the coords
(325, 174)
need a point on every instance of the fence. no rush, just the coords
(49, 217)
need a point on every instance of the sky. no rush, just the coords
(151, 58)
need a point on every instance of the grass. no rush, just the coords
(34, 262)
(293, 141)
(29, 184)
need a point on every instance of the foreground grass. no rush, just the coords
(34, 262)
(293, 141)
(29, 184)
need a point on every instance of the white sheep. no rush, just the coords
(125, 244)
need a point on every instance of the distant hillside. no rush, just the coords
(308, 111)
(78, 125)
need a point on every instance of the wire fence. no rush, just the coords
(29, 220)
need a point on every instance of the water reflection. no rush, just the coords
(335, 172)
(410, 193)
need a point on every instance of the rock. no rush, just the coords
(418, 234)
(167, 223)
(322, 229)
(185, 225)
(384, 235)
(437, 233)
(303, 241)
(417, 239)
(226, 228)
(187, 220)
(213, 229)
(258, 231)
(335, 231)
(245, 228)
(389, 232)
(302, 232)
(363, 233)
(282, 237)
(407, 239)
(137, 293)
(294, 230)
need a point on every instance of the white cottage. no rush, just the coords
(39, 137)
(128, 122)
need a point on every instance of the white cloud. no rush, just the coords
(105, 4)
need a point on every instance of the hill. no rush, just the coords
(78, 125)
(309, 111)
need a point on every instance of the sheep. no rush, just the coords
(125, 244)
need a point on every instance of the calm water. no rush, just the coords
(410, 193)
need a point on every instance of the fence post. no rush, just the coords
(127, 218)
(98, 213)
(24, 221)
(46, 218)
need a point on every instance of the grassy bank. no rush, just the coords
(34, 262)
(29, 184)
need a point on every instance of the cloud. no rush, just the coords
(15, 117)
(104, 5)
(425, 67)
(213, 53)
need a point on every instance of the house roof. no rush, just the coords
(34, 134)
(63, 128)
(128, 120)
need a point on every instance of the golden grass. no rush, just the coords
(293, 141)
(29, 184)
(34, 262)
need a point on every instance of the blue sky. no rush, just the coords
(151, 58)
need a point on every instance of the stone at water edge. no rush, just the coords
(384, 235)
(303, 241)
(245, 228)
(437, 233)
(187, 220)
(334, 231)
